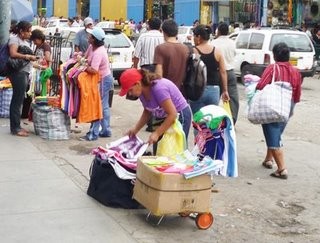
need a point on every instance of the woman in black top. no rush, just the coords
(216, 71)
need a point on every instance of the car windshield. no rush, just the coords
(61, 23)
(296, 42)
(115, 39)
(106, 24)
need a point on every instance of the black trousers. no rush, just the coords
(150, 67)
(234, 95)
(19, 81)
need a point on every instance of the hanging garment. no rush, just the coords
(90, 100)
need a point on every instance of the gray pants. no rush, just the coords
(234, 95)
(19, 81)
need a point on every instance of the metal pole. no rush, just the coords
(5, 20)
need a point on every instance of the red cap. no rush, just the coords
(129, 78)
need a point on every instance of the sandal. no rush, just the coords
(21, 133)
(26, 131)
(281, 174)
(267, 164)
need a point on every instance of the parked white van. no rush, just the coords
(254, 50)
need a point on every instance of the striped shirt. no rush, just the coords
(287, 73)
(146, 45)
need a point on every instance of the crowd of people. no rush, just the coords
(157, 79)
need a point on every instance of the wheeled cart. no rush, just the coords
(170, 193)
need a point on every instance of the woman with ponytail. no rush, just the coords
(216, 70)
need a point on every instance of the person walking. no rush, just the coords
(146, 45)
(98, 62)
(284, 71)
(228, 50)
(81, 40)
(19, 78)
(171, 56)
(216, 71)
(159, 97)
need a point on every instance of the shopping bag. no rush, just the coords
(226, 106)
(51, 123)
(5, 100)
(272, 103)
(107, 188)
(173, 141)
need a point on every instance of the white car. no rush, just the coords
(120, 49)
(185, 34)
(254, 50)
(60, 27)
(106, 24)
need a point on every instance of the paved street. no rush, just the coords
(40, 203)
(43, 188)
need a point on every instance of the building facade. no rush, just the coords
(261, 12)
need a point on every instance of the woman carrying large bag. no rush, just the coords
(284, 71)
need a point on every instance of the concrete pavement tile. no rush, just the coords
(29, 170)
(20, 147)
(77, 225)
(39, 195)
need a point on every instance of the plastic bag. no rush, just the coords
(271, 104)
(173, 141)
(226, 106)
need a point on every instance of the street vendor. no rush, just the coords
(160, 97)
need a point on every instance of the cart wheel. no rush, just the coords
(204, 220)
(184, 214)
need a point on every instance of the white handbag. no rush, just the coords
(272, 103)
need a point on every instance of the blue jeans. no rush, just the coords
(105, 86)
(272, 133)
(210, 96)
(185, 118)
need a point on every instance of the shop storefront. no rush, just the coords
(246, 11)
(290, 12)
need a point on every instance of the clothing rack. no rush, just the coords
(55, 43)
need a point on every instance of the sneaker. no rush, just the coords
(86, 138)
(105, 135)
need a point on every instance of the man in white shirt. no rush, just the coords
(144, 52)
(146, 44)
(228, 50)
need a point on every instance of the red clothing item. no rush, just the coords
(287, 73)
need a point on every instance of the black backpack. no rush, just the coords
(196, 76)
(4, 57)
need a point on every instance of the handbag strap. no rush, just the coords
(274, 72)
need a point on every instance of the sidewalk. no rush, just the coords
(40, 203)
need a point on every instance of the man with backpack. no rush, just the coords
(171, 56)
